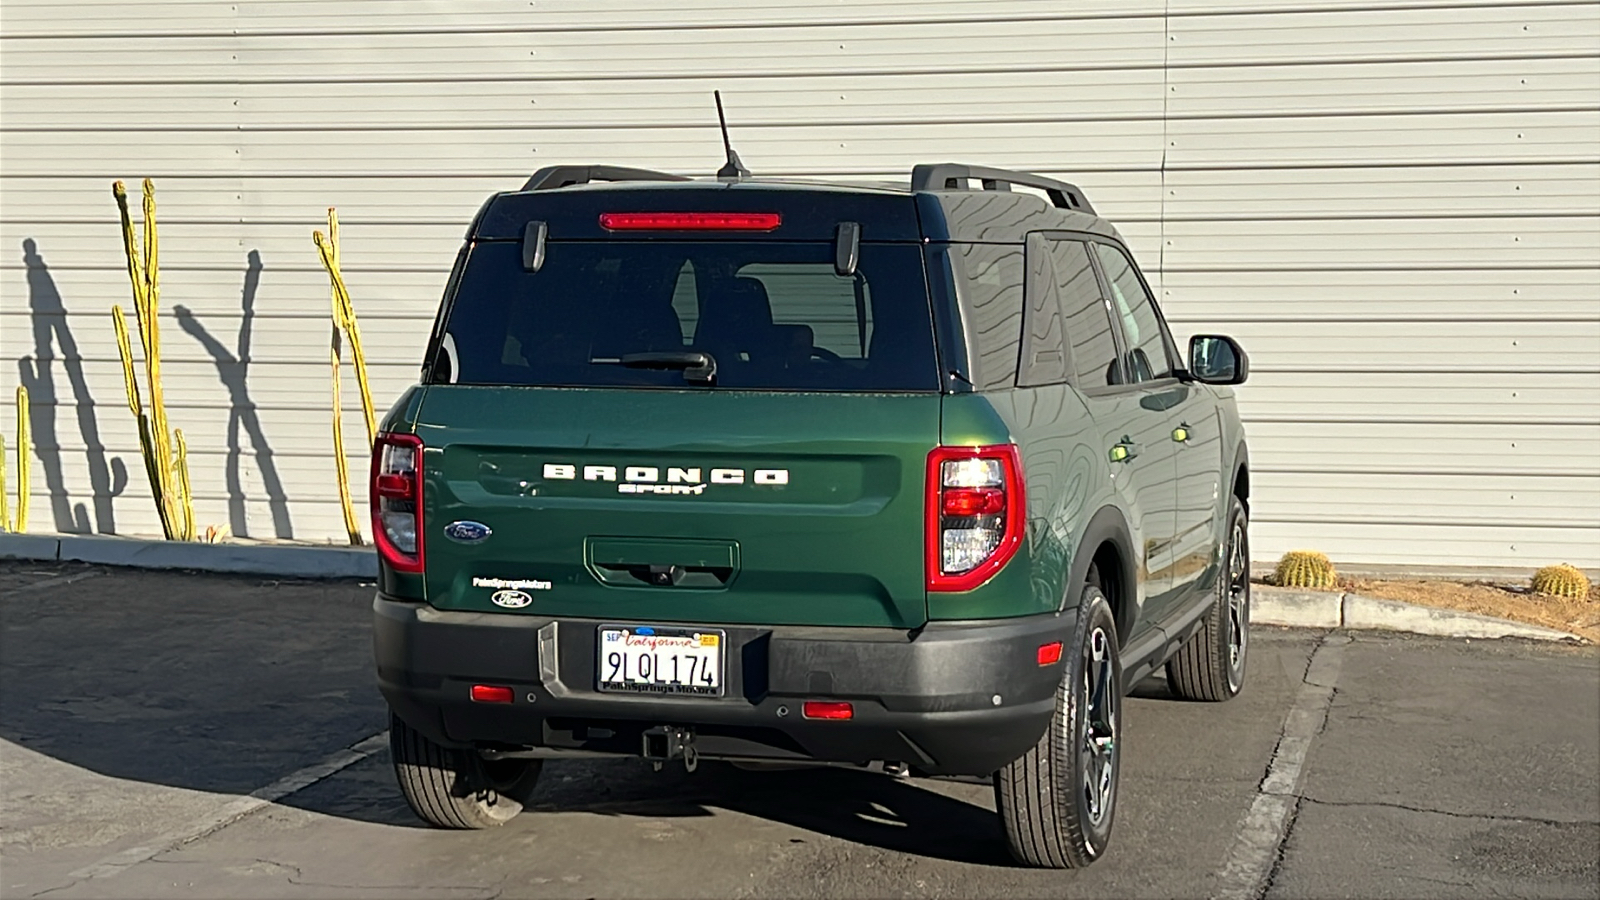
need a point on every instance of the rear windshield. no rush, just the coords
(772, 315)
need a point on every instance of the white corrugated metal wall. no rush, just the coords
(1395, 204)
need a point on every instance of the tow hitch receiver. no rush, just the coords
(665, 743)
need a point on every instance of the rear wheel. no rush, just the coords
(1211, 665)
(452, 788)
(1057, 801)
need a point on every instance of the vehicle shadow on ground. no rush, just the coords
(909, 816)
(904, 815)
(190, 681)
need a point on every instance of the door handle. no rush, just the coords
(1181, 433)
(1124, 450)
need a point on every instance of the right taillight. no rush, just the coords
(397, 500)
(975, 514)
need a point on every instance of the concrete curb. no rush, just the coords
(1335, 609)
(284, 560)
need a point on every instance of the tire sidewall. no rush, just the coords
(1224, 633)
(1094, 613)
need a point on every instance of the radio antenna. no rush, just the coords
(733, 169)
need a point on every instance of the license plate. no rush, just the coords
(654, 660)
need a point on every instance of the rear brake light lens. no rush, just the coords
(973, 501)
(823, 709)
(975, 514)
(397, 500)
(690, 221)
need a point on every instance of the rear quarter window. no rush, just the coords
(991, 282)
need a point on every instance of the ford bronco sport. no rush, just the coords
(908, 477)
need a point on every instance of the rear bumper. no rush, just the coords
(951, 698)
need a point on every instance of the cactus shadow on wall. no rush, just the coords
(234, 371)
(54, 347)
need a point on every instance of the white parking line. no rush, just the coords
(235, 809)
(56, 581)
(1263, 829)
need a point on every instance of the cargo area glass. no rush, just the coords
(768, 315)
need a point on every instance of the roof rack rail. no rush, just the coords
(551, 177)
(953, 177)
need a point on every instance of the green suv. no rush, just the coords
(909, 477)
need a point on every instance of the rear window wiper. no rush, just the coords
(698, 366)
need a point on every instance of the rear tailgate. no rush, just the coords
(679, 506)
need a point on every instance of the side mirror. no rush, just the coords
(1217, 359)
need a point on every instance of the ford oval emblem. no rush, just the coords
(467, 532)
(510, 599)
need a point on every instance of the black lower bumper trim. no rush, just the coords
(950, 698)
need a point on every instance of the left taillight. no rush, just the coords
(397, 500)
(975, 513)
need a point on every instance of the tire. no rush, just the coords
(1057, 801)
(1211, 665)
(451, 788)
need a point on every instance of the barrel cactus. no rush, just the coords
(1561, 581)
(1305, 569)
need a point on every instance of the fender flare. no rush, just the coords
(1241, 469)
(1106, 526)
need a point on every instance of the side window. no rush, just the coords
(991, 284)
(1147, 346)
(1088, 322)
(1044, 355)
(837, 310)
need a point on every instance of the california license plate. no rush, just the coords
(655, 660)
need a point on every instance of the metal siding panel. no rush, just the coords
(1533, 399)
(1466, 546)
(1402, 33)
(1309, 448)
(689, 148)
(316, 17)
(822, 99)
(1420, 138)
(440, 197)
(1426, 499)
(1350, 88)
(1195, 299)
(197, 384)
(493, 55)
(1387, 192)
(1502, 242)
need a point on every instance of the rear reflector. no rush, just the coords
(690, 221)
(492, 693)
(1050, 654)
(826, 709)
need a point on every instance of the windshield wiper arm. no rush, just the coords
(698, 366)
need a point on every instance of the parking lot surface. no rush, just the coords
(184, 735)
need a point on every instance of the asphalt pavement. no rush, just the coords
(166, 734)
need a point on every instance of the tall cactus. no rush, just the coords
(344, 320)
(167, 470)
(23, 464)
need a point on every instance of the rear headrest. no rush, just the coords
(748, 302)
(739, 312)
